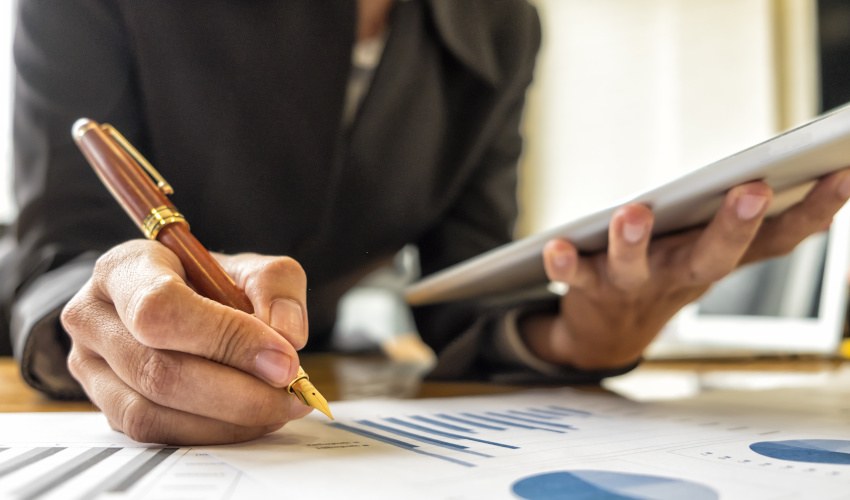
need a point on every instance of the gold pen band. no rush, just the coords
(159, 218)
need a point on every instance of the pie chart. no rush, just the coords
(608, 485)
(819, 451)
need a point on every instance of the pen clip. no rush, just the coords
(161, 183)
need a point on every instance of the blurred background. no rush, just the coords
(631, 92)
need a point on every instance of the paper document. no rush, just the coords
(531, 445)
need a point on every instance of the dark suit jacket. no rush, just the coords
(239, 105)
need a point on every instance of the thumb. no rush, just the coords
(277, 288)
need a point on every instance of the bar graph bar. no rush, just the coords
(438, 432)
(501, 420)
(473, 423)
(533, 421)
(133, 472)
(465, 438)
(38, 472)
(66, 471)
(422, 438)
(29, 457)
(398, 443)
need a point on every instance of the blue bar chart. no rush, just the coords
(458, 438)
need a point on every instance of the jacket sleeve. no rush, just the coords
(72, 61)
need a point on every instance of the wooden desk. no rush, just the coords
(345, 377)
(16, 396)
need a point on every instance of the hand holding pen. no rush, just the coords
(164, 362)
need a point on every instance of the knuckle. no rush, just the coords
(151, 310)
(81, 317)
(628, 271)
(707, 274)
(159, 376)
(73, 316)
(106, 263)
(229, 341)
(115, 258)
(628, 282)
(284, 269)
(75, 362)
(140, 420)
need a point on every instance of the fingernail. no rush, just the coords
(287, 316)
(844, 186)
(750, 205)
(633, 233)
(562, 259)
(274, 367)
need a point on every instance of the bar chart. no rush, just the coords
(543, 445)
(457, 437)
(532, 445)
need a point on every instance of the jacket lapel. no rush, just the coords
(462, 26)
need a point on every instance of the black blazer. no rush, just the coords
(239, 105)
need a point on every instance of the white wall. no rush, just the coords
(6, 76)
(631, 92)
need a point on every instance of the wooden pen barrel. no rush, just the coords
(136, 192)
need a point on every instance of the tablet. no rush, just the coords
(789, 162)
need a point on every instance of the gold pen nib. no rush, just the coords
(304, 390)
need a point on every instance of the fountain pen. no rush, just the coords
(130, 178)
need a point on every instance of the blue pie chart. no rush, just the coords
(608, 485)
(818, 451)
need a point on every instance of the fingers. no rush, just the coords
(562, 264)
(143, 281)
(626, 266)
(181, 381)
(628, 240)
(780, 234)
(143, 420)
(624, 295)
(719, 248)
(737, 234)
(277, 287)
(167, 365)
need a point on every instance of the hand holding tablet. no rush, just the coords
(789, 164)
